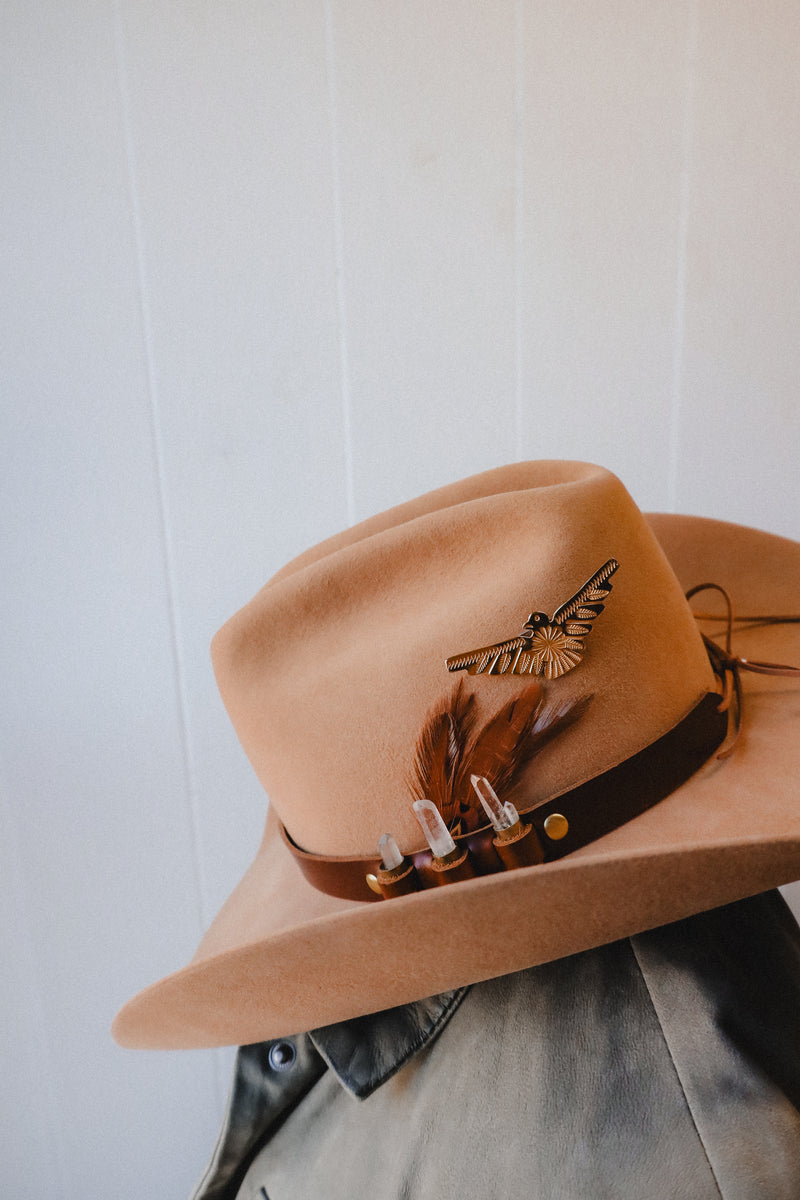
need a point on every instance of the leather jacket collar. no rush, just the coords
(366, 1051)
(270, 1078)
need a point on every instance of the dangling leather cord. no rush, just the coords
(729, 666)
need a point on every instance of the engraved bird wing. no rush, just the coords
(576, 615)
(489, 660)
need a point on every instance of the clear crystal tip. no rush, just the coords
(389, 852)
(436, 832)
(502, 816)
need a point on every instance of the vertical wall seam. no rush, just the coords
(338, 249)
(167, 548)
(165, 530)
(519, 220)
(15, 886)
(682, 253)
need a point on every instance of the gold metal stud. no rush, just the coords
(372, 882)
(556, 827)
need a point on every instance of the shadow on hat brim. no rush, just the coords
(281, 957)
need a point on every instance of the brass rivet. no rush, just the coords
(556, 827)
(372, 882)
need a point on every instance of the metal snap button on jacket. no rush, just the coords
(282, 1056)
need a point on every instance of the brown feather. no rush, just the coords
(548, 722)
(440, 749)
(506, 744)
(493, 751)
(446, 757)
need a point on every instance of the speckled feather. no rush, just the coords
(446, 756)
(440, 749)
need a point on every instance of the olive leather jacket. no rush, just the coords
(662, 1067)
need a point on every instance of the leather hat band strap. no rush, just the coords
(551, 830)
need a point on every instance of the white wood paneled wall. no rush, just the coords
(269, 268)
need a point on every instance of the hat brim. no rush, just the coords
(282, 957)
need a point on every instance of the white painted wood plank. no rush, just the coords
(231, 165)
(424, 121)
(91, 741)
(740, 416)
(33, 1153)
(604, 95)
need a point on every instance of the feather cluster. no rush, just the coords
(450, 749)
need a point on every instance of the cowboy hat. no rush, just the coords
(537, 601)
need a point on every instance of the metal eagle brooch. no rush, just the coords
(548, 646)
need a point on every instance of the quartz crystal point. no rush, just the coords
(389, 852)
(436, 832)
(502, 816)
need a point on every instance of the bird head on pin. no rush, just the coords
(535, 621)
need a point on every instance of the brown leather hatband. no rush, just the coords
(588, 811)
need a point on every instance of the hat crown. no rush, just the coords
(330, 671)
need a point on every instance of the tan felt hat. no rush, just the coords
(528, 625)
